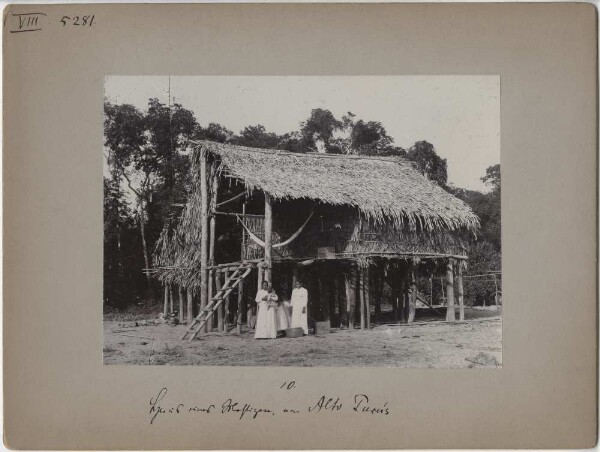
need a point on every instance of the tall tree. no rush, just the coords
(428, 162)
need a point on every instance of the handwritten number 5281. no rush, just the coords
(81, 21)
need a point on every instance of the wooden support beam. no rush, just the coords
(368, 297)
(405, 296)
(190, 306)
(171, 296)
(220, 326)
(412, 303)
(213, 229)
(240, 307)
(450, 313)
(362, 298)
(181, 310)
(166, 304)
(204, 231)
(350, 282)
(211, 283)
(461, 301)
(268, 237)
(227, 298)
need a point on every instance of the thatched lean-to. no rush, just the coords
(334, 214)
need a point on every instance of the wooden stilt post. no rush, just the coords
(395, 298)
(211, 249)
(204, 231)
(181, 304)
(240, 307)
(367, 297)
(350, 281)
(226, 315)
(171, 296)
(450, 313)
(190, 306)
(461, 301)
(166, 305)
(324, 296)
(361, 272)
(268, 237)
(220, 327)
(495, 290)
(412, 303)
(294, 276)
(406, 296)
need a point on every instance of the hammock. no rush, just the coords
(258, 241)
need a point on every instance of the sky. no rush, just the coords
(459, 115)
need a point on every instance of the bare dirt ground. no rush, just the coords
(476, 342)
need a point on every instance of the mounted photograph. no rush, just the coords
(332, 221)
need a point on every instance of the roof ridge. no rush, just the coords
(274, 151)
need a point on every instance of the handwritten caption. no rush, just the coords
(35, 21)
(161, 406)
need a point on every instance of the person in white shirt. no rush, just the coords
(300, 307)
(266, 323)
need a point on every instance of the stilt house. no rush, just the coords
(335, 221)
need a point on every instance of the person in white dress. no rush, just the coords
(300, 307)
(283, 316)
(266, 322)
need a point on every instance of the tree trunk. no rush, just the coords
(147, 263)
(172, 297)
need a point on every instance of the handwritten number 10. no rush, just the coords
(288, 386)
(78, 20)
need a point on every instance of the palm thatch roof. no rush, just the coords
(382, 188)
(399, 202)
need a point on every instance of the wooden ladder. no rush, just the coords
(205, 314)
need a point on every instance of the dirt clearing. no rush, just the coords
(476, 343)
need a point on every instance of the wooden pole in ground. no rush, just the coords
(395, 285)
(406, 295)
(171, 296)
(204, 232)
(211, 249)
(226, 315)
(220, 326)
(412, 303)
(324, 296)
(496, 290)
(350, 282)
(180, 304)
(461, 301)
(240, 307)
(190, 306)
(166, 305)
(294, 276)
(450, 313)
(368, 297)
(361, 272)
(268, 237)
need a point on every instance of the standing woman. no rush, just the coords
(266, 298)
(299, 307)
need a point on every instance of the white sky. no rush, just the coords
(459, 115)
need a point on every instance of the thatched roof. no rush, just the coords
(382, 188)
